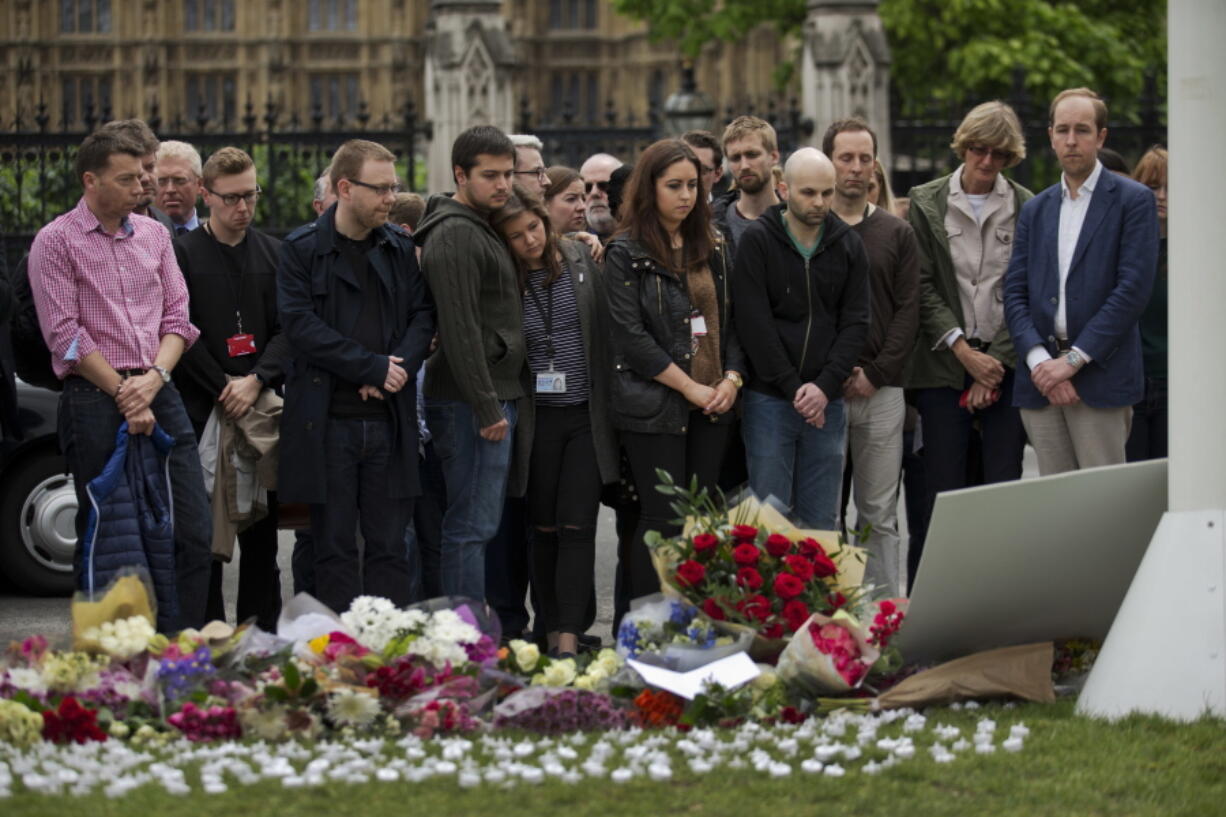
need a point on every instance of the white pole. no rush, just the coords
(1197, 95)
(1175, 603)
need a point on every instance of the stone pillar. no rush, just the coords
(845, 70)
(469, 68)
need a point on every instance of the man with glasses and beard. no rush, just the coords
(359, 318)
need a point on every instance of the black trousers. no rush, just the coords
(259, 578)
(947, 432)
(564, 496)
(699, 452)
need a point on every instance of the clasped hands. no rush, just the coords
(392, 383)
(133, 398)
(810, 401)
(716, 399)
(1053, 380)
(987, 372)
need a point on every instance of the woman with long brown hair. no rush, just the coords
(574, 448)
(677, 364)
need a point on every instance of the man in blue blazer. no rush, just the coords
(1084, 259)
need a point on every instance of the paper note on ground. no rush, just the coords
(729, 673)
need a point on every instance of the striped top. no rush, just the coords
(569, 354)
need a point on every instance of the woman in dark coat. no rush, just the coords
(677, 364)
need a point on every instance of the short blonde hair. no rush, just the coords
(348, 160)
(745, 126)
(1100, 107)
(181, 150)
(995, 126)
(227, 161)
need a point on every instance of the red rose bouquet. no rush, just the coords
(749, 568)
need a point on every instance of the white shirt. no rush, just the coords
(978, 200)
(1072, 217)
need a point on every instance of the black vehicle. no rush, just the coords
(38, 505)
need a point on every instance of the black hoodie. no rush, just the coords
(800, 321)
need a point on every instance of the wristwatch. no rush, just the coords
(735, 378)
(165, 373)
(1073, 358)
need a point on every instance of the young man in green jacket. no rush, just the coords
(480, 372)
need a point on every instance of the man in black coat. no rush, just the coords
(359, 318)
(230, 269)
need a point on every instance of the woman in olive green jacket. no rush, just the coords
(964, 359)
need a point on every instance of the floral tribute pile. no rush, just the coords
(386, 683)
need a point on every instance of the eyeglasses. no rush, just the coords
(231, 199)
(175, 181)
(706, 169)
(380, 190)
(997, 154)
(603, 187)
(538, 172)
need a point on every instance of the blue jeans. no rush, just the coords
(475, 471)
(799, 465)
(88, 420)
(359, 452)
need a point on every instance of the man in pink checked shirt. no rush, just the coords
(112, 306)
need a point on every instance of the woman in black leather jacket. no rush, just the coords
(677, 364)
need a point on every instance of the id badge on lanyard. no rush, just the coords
(240, 343)
(549, 381)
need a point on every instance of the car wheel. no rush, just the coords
(38, 511)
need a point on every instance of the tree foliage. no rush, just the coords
(958, 50)
(694, 23)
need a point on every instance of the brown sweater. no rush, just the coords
(894, 283)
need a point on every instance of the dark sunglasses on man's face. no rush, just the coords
(604, 187)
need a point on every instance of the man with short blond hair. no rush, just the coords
(751, 150)
(178, 184)
(230, 269)
(1085, 255)
(349, 427)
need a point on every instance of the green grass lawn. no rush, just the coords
(1068, 766)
